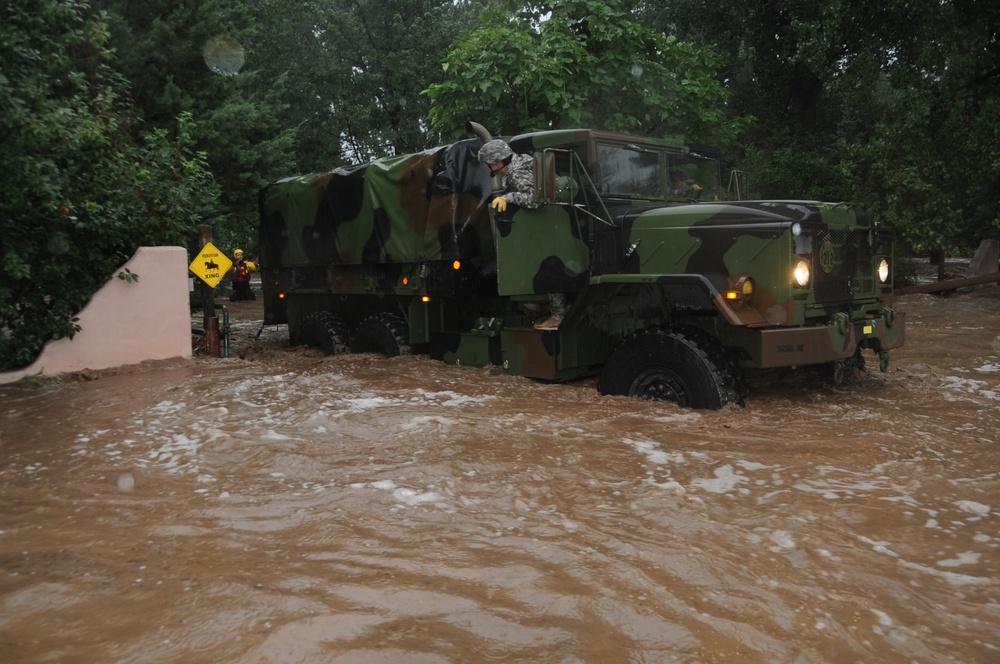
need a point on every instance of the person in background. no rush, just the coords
(241, 278)
(518, 183)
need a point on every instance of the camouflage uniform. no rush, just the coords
(519, 187)
(519, 181)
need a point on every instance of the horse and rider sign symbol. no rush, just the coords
(211, 265)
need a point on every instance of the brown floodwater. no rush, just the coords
(281, 506)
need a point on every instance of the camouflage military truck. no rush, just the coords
(674, 294)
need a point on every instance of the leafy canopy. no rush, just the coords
(572, 63)
(855, 104)
(80, 186)
(354, 70)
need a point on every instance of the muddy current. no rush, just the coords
(282, 506)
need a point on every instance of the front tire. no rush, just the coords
(684, 367)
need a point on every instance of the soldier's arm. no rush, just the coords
(522, 199)
(522, 184)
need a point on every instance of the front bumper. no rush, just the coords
(838, 340)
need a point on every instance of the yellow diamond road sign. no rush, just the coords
(211, 265)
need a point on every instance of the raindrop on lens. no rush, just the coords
(224, 55)
(637, 70)
(58, 244)
(126, 482)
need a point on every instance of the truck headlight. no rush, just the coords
(883, 271)
(802, 273)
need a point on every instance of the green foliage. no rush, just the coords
(80, 186)
(355, 70)
(238, 124)
(570, 63)
(899, 116)
(812, 175)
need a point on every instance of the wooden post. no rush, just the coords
(212, 346)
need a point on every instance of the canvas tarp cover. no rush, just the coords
(420, 207)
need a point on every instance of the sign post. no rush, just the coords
(210, 265)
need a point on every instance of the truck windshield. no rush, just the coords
(694, 176)
(629, 172)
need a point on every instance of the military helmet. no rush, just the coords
(495, 152)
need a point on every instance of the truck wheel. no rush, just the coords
(685, 367)
(382, 332)
(326, 330)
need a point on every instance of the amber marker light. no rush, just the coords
(883, 271)
(425, 298)
(743, 290)
(406, 281)
(457, 265)
(281, 296)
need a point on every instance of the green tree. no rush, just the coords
(162, 47)
(567, 63)
(855, 103)
(930, 154)
(81, 187)
(355, 70)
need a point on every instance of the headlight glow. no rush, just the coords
(802, 273)
(883, 271)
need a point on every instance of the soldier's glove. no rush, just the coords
(499, 203)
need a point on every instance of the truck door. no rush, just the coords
(542, 250)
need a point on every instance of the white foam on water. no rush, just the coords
(726, 480)
(361, 404)
(972, 507)
(964, 558)
(752, 465)
(412, 497)
(882, 617)
(274, 436)
(879, 546)
(651, 450)
(428, 421)
(783, 541)
(950, 578)
(452, 399)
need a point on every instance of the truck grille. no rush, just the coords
(842, 264)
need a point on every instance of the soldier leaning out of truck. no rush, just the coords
(518, 171)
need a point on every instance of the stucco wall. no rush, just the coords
(125, 323)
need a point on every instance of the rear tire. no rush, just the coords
(685, 367)
(326, 330)
(382, 332)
